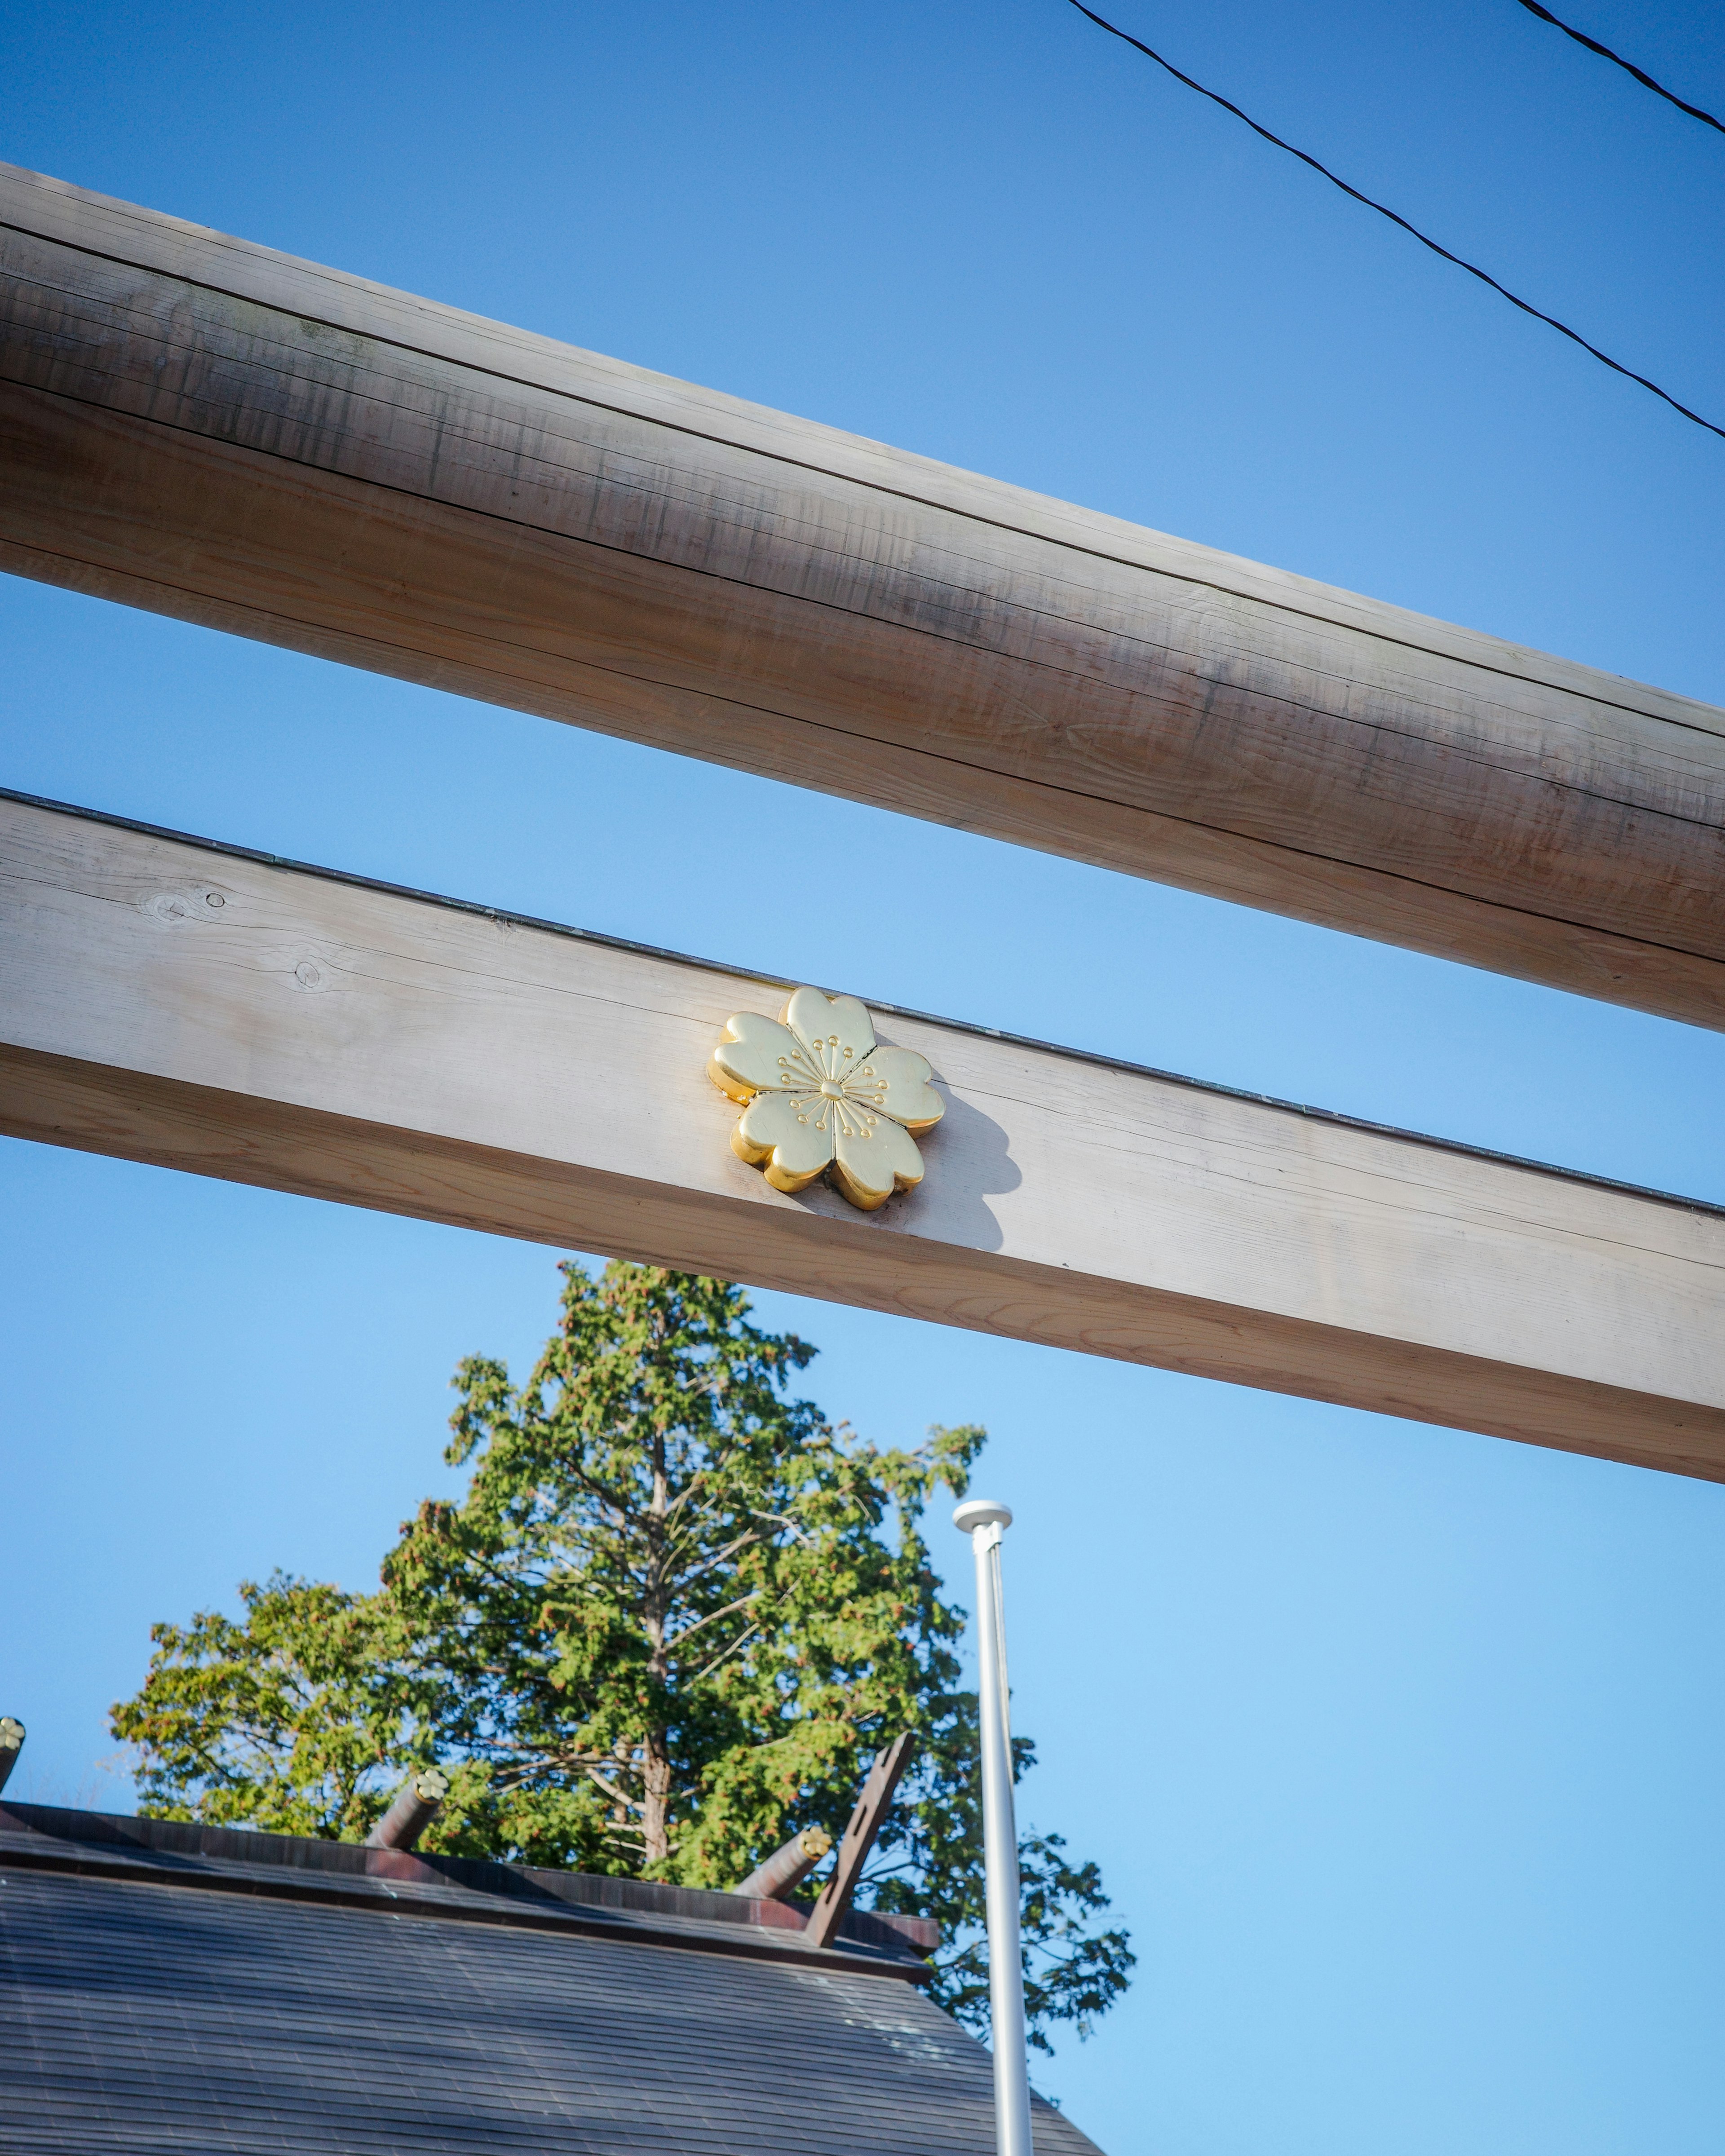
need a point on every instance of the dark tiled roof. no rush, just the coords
(313, 1996)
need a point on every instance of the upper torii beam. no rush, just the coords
(208, 428)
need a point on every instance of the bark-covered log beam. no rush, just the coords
(207, 1009)
(194, 424)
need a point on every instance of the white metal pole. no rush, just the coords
(985, 1522)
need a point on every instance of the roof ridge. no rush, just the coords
(307, 1868)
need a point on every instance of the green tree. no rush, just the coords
(669, 1622)
(284, 1720)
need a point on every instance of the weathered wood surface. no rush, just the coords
(173, 1003)
(197, 425)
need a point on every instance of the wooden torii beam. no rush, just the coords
(194, 424)
(205, 1008)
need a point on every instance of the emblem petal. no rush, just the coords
(869, 1166)
(895, 1082)
(755, 1055)
(835, 1030)
(781, 1130)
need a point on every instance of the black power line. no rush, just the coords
(1383, 209)
(1629, 67)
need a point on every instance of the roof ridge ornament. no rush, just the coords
(822, 1097)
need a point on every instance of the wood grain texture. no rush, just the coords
(200, 426)
(168, 1002)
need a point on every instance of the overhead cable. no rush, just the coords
(1383, 209)
(1629, 67)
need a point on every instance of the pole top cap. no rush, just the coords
(981, 1513)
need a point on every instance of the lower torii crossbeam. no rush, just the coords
(170, 1001)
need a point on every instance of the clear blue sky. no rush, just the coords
(1401, 1749)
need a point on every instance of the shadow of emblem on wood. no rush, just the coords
(822, 1097)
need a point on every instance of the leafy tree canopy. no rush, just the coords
(668, 1624)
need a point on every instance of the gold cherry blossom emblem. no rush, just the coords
(822, 1097)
